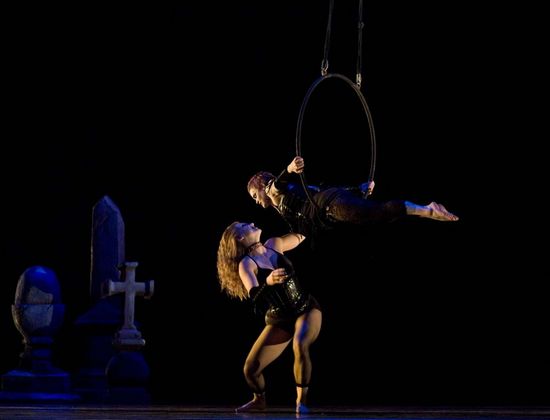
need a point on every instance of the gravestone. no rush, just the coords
(97, 326)
(38, 314)
(127, 371)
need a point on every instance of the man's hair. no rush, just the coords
(259, 180)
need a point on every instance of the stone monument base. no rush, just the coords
(22, 385)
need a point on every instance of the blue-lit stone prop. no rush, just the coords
(38, 314)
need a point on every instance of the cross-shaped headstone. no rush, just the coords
(129, 334)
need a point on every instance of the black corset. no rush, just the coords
(287, 298)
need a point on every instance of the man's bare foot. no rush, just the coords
(439, 212)
(257, 404)
(301, 408)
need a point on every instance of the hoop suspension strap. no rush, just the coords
(328, 32)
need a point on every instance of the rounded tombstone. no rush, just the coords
(37, 310)
(38, 314)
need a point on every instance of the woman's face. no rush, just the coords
(259, 195)
(249, 233)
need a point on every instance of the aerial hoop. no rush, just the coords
(366, 109)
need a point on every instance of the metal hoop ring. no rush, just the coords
(301, 119)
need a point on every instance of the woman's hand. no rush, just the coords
(296, 166)
(277, 276)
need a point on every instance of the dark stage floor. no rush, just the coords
(326, 413)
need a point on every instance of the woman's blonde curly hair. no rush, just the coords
(230, 253)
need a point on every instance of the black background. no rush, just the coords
(169, 109)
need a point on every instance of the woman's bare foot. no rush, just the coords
(301, 408)
(257, 404)
(439, 212)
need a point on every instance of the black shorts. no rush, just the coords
(287, 320)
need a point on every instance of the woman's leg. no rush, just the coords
(269, 345)
(307, 330)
